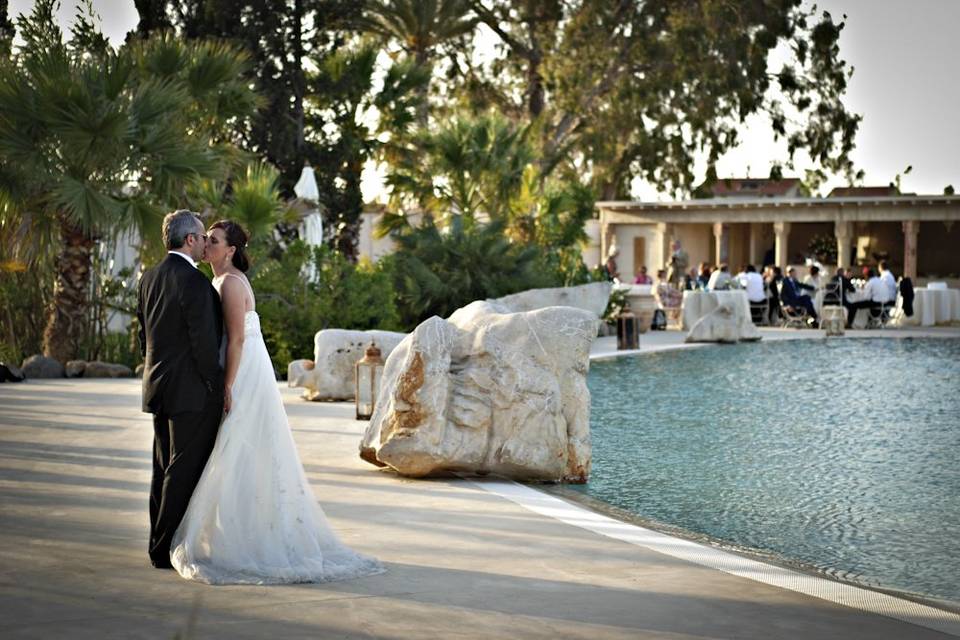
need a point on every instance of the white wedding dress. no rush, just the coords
(253, 518)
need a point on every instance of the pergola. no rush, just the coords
(751, 221)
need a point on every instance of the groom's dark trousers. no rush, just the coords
(181, 325)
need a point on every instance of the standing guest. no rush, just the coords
(888, 280)
(642, 277)
(791, 292)
(613, 273)
(677, 266)
(774, 276)
(720, 279)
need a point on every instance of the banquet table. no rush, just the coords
(930, 307)
(697, 304)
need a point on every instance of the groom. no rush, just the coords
(180, 330)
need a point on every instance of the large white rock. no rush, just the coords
(488, 391)
(591, 297)
(723, 324)
(330, 375)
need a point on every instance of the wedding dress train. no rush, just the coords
(253, 518)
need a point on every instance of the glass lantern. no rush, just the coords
(628, 330)
(369, 373)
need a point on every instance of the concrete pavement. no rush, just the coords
(463, 562)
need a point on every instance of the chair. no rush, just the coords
(759, 312)
(791, 316)
(880, 315)
(832, 297)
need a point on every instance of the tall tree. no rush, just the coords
(638, 88)
(285, 38)
(420, 28)
(7, 30)
(94, 140)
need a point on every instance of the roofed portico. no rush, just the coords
(744, 230)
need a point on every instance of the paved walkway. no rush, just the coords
(465, 560)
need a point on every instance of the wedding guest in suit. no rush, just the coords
(792, 295)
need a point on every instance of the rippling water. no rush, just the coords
(841, 454)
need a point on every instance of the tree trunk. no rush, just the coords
(66, 323)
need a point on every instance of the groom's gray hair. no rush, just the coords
(177, 226)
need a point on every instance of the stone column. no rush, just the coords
(842, 232)
(752, 248)
(661, 243)
(781, 233)
(911, 229)
(604, 238)
(721, 242)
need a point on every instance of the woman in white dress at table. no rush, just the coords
(253, 518)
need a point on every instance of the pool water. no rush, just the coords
(843, 455)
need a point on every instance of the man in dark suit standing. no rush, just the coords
(180, 331)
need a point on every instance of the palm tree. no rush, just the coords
(96, 140)
(438, 271)
(420, 27)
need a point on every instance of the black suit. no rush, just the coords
(181, 325)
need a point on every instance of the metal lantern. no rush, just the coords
(628, 330)
(369, 372)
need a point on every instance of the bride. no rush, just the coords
(253, 518)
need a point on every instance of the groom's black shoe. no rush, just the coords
(161, 563)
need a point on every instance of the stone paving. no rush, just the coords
(462, 561)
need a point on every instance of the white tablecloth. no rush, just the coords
(930, 307)
(697, 304)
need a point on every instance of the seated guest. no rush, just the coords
(642, 277)
(772, 279)
(839, 290)
(719, 279)
(690, 280)
(875, 294)
(792, 296)
(703, 276)
(888, 280)
(753, 283)
(813, 279)
(666, 296)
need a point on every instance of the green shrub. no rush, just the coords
(294, 303)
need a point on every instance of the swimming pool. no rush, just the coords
(841, 455)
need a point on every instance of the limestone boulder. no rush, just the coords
(591, 297)
(723, 324)
(329, 376)
(75, 368)
(488, 391)
(97, 369)
(42, 367)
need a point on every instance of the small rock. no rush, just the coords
(42, 367)
(75, 368)
(10, 373)
(97, 369)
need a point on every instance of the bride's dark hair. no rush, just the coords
(238, 238)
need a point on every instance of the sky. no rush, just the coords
(906, 84)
